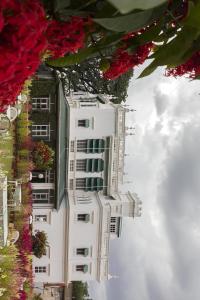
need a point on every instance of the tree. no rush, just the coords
(40, 243)
(79, 290)
(86, 76)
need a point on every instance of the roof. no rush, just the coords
(61, 145)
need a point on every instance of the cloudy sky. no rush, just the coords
(158, 255)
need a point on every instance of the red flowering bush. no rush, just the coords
(25, 34)
(22, 41)
(65, 37)
(43, 156)
(22, 295)
(123, 61)
(25, 240)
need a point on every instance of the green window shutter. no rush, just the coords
(99, 185)
(87, 123)
(90, 146)
(86, 252)
(85, 268)
(87, 218)
(94, 184)
(87, 184)
(88, 165)
(100, 165)
(101, 145)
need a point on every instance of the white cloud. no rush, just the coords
(157, 256)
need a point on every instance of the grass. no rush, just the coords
(6, 153)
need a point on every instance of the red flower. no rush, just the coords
(123, 61)
(191, 68)
(65, 37)
(22, 40)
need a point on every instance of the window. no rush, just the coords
(72, 146)
(82, 145)
(80, 183)
(113, 220)
(40, 130)
(91, 146)
(40, 103)
(82, 251)
(40, 218)
(83, 217)
(82, 268)
(84, 123)
(81, 165)
(41, 197)
(84, 200)
(94, 165)
(84, 104)
(71, 166)
(40, 269)
(71, 184)
(89, 184)
(112, 228)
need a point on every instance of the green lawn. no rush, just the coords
(6, 153)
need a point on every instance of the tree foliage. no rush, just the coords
(43, 156)
(87, 77)
(40, 243)
(79, 290)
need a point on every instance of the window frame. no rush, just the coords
(40, 269)
(41, 218)
(38, 131)
(38, 199)
(41, 103)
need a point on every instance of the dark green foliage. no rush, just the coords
(45, 87)
(79, 290)
(40, 243)
(87, 77)
(37, 297)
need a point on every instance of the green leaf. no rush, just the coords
(148, 70)
(133, 21)
(193, 18)
(61, 4)
(83, 54)
(73, 58)
(148, 35)
(126, 6)
(175, 52)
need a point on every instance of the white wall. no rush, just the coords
(55, 229)
(102, 122)
(83, 235)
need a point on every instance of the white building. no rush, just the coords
(89, 205)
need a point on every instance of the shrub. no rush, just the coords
(43, 156)
(37, 297)
(40, 243)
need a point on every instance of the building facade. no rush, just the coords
(78, 203)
